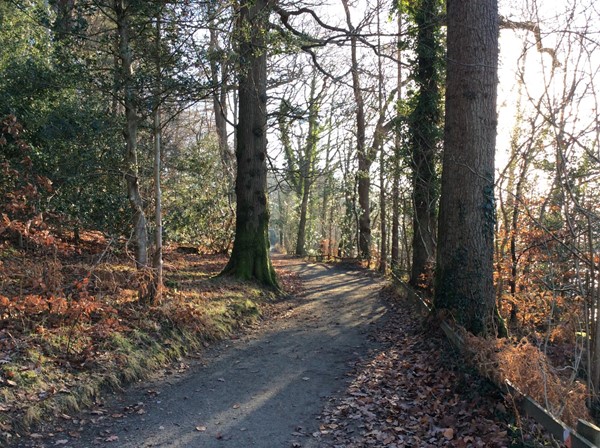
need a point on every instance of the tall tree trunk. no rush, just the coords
(464, 276)
(140, 235)
(395, 246)
(308, 161)
(326, 192)
(218, 72)
(250, 255)
(382, 199)
(157, 262)
(364, 161)
(424, 122)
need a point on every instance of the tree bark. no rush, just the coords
(395, 245)
(425, 135)
(140, 235)
(308, 163)
(218, 72)
(464, 275)
(382, 198)
(250, 258)
(157, 261)
(364, 161)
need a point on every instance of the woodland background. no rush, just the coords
(118, 138)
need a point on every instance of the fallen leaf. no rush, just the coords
(201, 428)
(112, 438)
(448, 433)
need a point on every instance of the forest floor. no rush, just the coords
(344, 363)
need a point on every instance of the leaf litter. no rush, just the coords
(419, 393)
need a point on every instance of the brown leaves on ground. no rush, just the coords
(70, 321)
(417, 393)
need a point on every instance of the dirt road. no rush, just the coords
(263, 390)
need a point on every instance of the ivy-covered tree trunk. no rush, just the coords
(464, 273)
(250, 255)
(424, 122)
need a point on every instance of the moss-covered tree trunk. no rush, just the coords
(250, 258)
(464, 283)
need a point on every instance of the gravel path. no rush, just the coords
(262, 390)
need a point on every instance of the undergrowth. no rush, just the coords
(71, 327)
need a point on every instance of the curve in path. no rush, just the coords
(267, 388)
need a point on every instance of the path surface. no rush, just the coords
(263, 390)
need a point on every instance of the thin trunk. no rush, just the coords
(382, 204)
(382, 200)
(157, 262)
(301, 237)
(326, 189)
(364, 162)
(218, 71)
(513, 231)
(406, 254)
(395, 251)
(140, 236)
(307, 167)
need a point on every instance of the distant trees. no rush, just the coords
(301, 156)
(547, 255)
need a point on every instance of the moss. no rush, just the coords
(130, 355)
(33, 416)
(70, 403)
(111, 381)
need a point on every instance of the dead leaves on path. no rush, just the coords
(415, 394)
